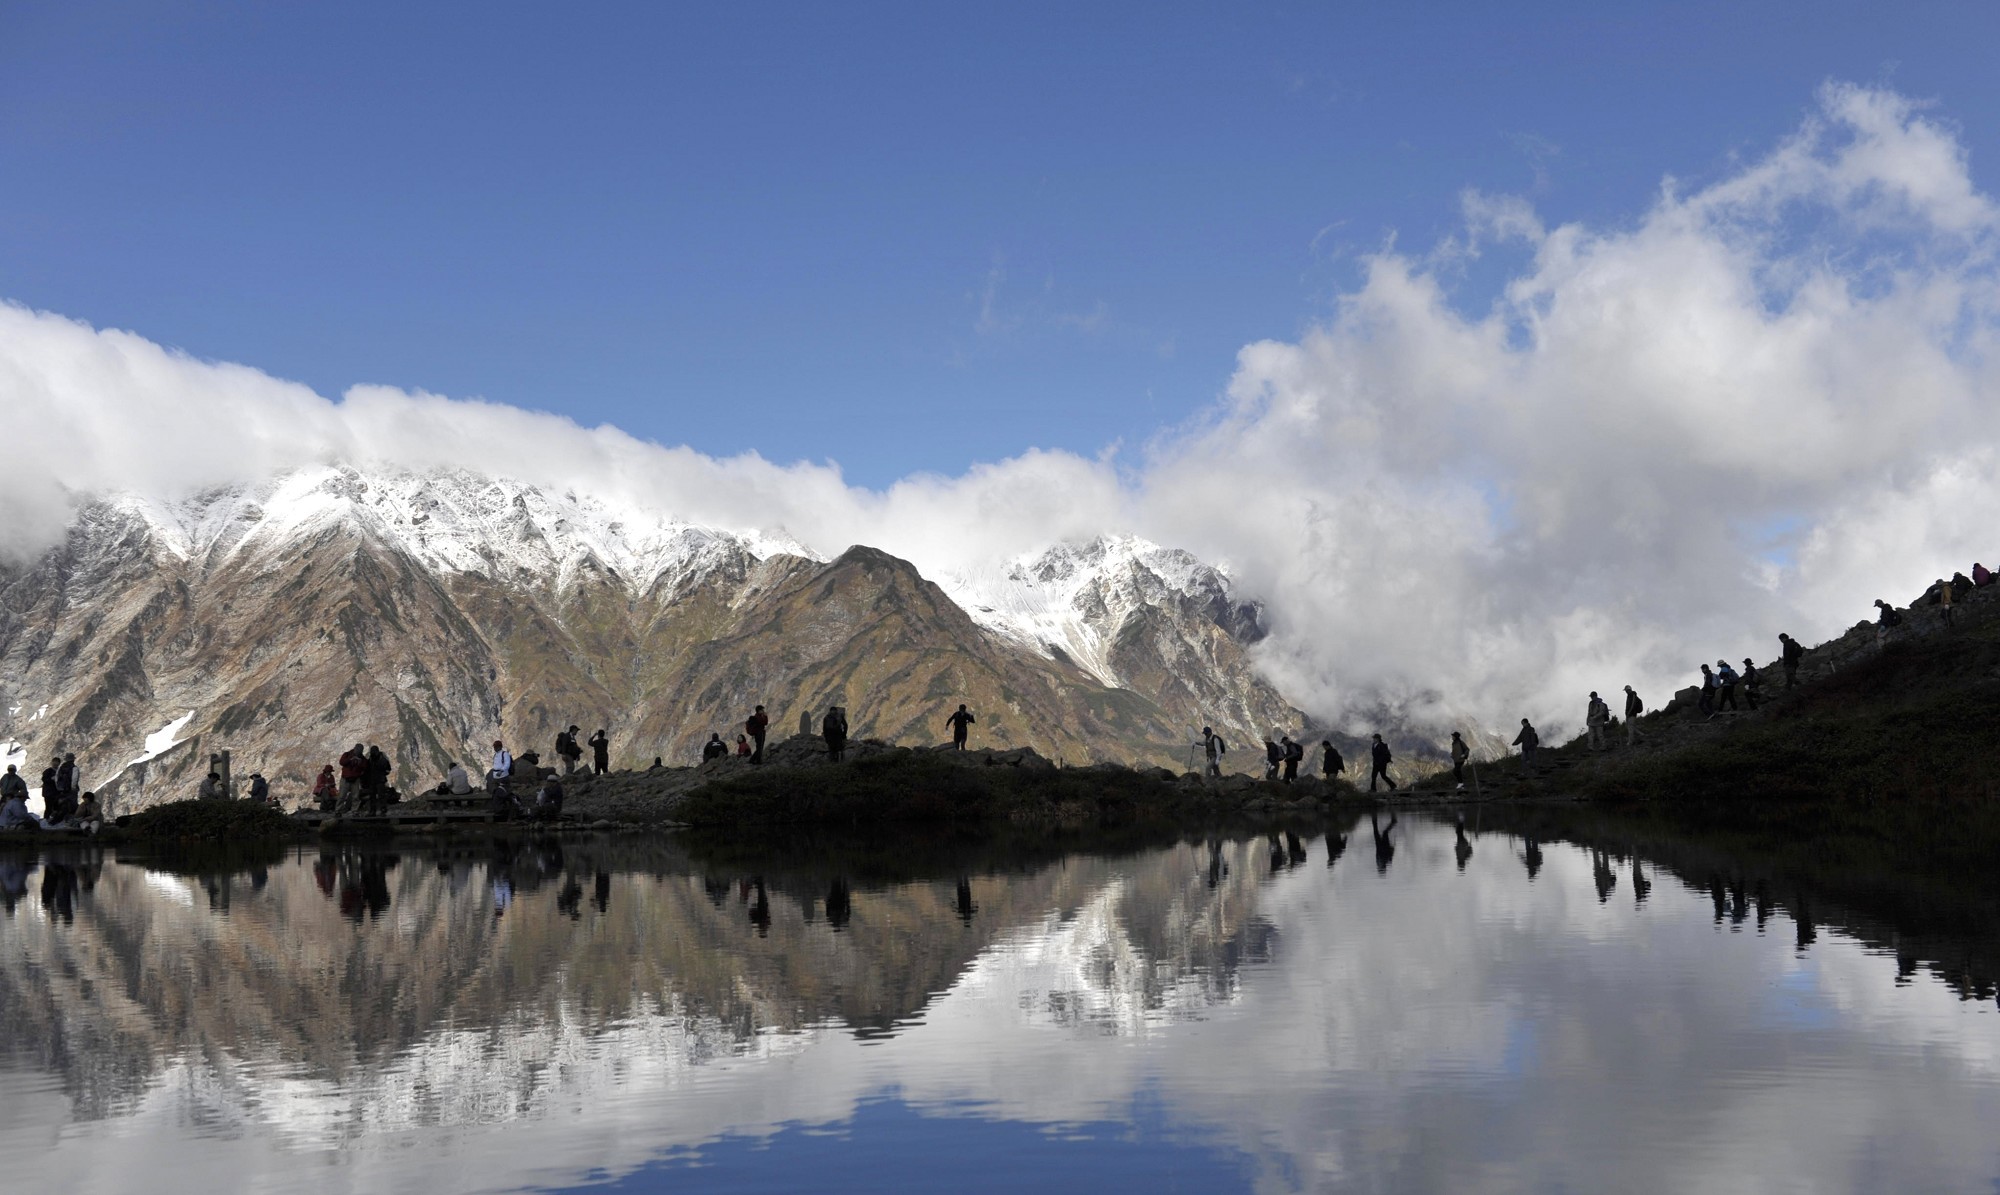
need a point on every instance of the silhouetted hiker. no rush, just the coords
(1595, 715)
(1330, 762)
(658, 765)
(1531, 857)
(1380, 757)
(958, 720)
(375, 789)
(1527, 741)
(67, 787)
(1707, 702)
(567, 750)
(1753, 683)
(1385, 851)
(1725, 679)
(1961, 587)
(600, 753)
(548, 801)
(833, 728)
(757, 724)
(1293, 754)
(714, 748)
(1633, 708)
(1944, 603)
(1459, 754)
(1213, 749)
(1336, 846)
(1462, 848)
(326, 790)
(1885, 618)
(210, 789)
(503, 763)
(260, 789)
(49, 793)
(1274, 755)
(12, 784)
(89, 814)
(743, 748)
(1790, 653)
(14, 813)
(1981, 575)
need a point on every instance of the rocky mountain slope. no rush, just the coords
(433, 613)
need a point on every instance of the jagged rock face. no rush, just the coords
(432, 614)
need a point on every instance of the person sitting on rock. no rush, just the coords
(14, 813)
(743, 748)
(260, 789)
(210, 789)
(715, 748)
(1961, 587)
(1330, 762)
(326, 789)
(12, 783)
(456, 782)
(89, 816)
(657, 765)
(958, 721)
(548, 801)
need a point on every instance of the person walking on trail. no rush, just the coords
(1459, 754)
(1274, 756)
(1790, 653)
(503, 763)
(600, 753)
(1633, 708)
(1944, 603)
(757, 724)
(1213, 749)
(958, 720)
(1294, 753)
(833, 728)
(1725, 677)
(1527, 741)
(1707, 702)
(1330, 762)
(1753, 682)
(1379, 755)
(1595, 716)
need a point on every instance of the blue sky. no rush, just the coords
(902, 237)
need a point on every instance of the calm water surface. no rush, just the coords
(1427, 1011)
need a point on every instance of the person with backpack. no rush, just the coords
(1706, 703)
(1330, 762)
(568, 749)
(503, 763)
(1595, 715)
(354, 769)
(1213, 749)
(1274, 757)
(1752, 682)
(600, 753)
(260, 789)
(1293, 754)
(757, 723)
(1379, 755)
(376, 786)
(959, 721)
(1527, 741)
(1459, 754)
(1886, 618)
(1633, 708)
(1790, 653)
(1725, 678)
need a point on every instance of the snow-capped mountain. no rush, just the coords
(434, 612)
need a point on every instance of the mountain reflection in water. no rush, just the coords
(1454, 1009)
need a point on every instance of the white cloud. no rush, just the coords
(1456, 514)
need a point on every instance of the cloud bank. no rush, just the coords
(1763, 402)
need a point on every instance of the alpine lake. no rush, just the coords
(1524, 1001)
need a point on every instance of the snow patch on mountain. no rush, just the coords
(454, 521)
(1073, 599)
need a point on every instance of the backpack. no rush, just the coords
(1295, 751)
